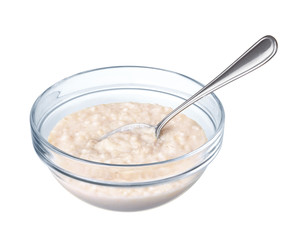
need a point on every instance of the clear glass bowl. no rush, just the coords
(92, 181)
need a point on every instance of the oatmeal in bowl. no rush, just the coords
(130, 170)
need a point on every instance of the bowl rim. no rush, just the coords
(36, 132)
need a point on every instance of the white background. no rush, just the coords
(248, 192)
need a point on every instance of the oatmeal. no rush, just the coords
(77, 134)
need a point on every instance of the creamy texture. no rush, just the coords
(77, 134)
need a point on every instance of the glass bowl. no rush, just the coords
(153, 184)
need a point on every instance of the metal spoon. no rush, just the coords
(257, 55)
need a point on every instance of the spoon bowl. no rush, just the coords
(125, 128)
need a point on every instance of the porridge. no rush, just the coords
(77, 134)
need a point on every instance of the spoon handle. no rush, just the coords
(257, 55)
